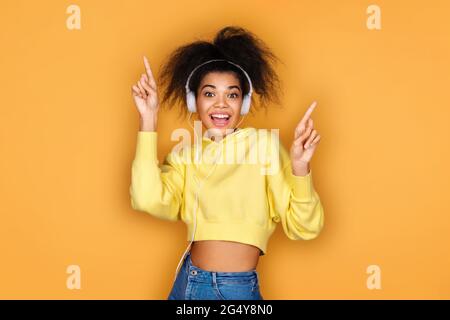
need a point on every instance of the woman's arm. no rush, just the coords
(154, 189)
(157, 190)
(294, 201)
(291, 193)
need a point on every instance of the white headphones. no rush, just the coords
(190, 95)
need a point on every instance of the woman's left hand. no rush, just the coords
(305, 142)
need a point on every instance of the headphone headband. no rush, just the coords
(245, 73)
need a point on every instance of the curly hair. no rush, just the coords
(232, 43)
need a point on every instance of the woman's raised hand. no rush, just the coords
(146, 98)
(306, 139)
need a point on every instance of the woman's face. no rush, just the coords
(219, 100)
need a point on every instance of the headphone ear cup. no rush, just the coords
(190, 101)
(245, 105)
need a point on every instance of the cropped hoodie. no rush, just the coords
(237, 188)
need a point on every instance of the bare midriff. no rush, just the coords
(224, 256)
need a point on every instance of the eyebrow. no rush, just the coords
(212, 86)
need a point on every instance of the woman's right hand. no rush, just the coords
(145, 94)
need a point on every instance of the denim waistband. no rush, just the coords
(202, 275)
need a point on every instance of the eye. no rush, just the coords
(236, 95)
(207, 92)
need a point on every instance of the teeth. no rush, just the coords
(220, 116)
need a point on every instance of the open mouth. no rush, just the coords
(220, 119)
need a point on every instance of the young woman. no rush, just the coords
(235, 205)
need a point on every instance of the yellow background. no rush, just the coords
(68, 131)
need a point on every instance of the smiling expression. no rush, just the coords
(219, 100)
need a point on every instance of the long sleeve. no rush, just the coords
(294, 201)
(157, 190)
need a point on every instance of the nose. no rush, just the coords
(221, 101)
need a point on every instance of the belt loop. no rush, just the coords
(214, 278)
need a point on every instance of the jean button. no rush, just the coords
(194, 272)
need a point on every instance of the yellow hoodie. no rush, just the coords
(236, 189)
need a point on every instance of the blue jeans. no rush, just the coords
(193, 283)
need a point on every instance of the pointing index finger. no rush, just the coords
(302, 124)
(308, 112)
(149, 72)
